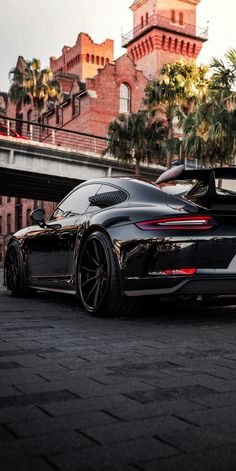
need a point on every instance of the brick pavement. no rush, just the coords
(149, 392)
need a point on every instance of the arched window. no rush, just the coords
(97, 60)
(163, 42)
(87, 57)
(102, 60)
(142, 22)
(147, 46)
(176, 44)
(107, 60)
(147, 18)
(132, 55)
(181, 18)
(194, 50)
(188, 48)
(124, 98)
(140, 51)
(181, 47)
(172, 16)
(92, 59)
(169, 43)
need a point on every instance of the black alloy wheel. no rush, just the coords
(94, 272)
(14, 271)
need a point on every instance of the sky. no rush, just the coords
(41, 28)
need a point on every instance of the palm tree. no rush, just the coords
(33, 86)
(135, 137)
(181, 85)
(209, 131)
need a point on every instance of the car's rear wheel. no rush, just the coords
(14, 273)
(98, 278)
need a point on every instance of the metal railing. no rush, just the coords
(165, 22)
(31, 132)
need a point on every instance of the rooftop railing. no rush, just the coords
(165, 22)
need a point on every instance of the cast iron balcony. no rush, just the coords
(165, 23)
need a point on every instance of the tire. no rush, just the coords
(98, 281)
(14, 273)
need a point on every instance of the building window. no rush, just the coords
(147, 18)
(75, 105)
(142, 22)
(124, 98)
(172, 16)
(194, 50)
(169, 43)
(97, 60)
(87, 57)
(8, 223)
(176, 44)
(18, 216)
(163, 42)
(188, 48)
(107, 60)
(181, 47)
(181, 18)
(92, 59)
(102, 60)
(8, 199)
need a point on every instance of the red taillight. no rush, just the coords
(179, 271)
(178, 223)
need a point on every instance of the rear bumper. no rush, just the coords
(198, 284)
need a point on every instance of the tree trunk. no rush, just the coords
(170, 136)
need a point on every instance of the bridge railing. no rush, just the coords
(28, 131)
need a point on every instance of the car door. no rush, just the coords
(50, 251)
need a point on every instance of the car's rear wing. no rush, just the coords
(211, 187)
(180, 173)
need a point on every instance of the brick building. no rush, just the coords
(96, 88)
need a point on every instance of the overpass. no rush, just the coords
(47, 167)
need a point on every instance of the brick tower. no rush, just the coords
(84, 58)
(163, 31)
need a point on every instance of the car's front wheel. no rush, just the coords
(99, 286)
(14, 273)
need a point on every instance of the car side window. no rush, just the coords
(107, 196)
(76, 202)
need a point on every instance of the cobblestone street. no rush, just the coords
(152, 391)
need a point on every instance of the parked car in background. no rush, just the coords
(12, 133)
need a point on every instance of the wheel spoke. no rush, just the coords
(96, 250)
(91, 292)
(96, 295)
(93, 259)
(88, 280)
(87, 269)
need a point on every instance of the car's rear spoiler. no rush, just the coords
(205, 181)
(180, 173)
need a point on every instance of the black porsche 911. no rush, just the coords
(113, 240)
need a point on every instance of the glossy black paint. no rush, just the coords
(51, 254)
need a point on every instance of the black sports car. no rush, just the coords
(112, 240)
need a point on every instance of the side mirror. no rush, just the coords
(38, 216)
